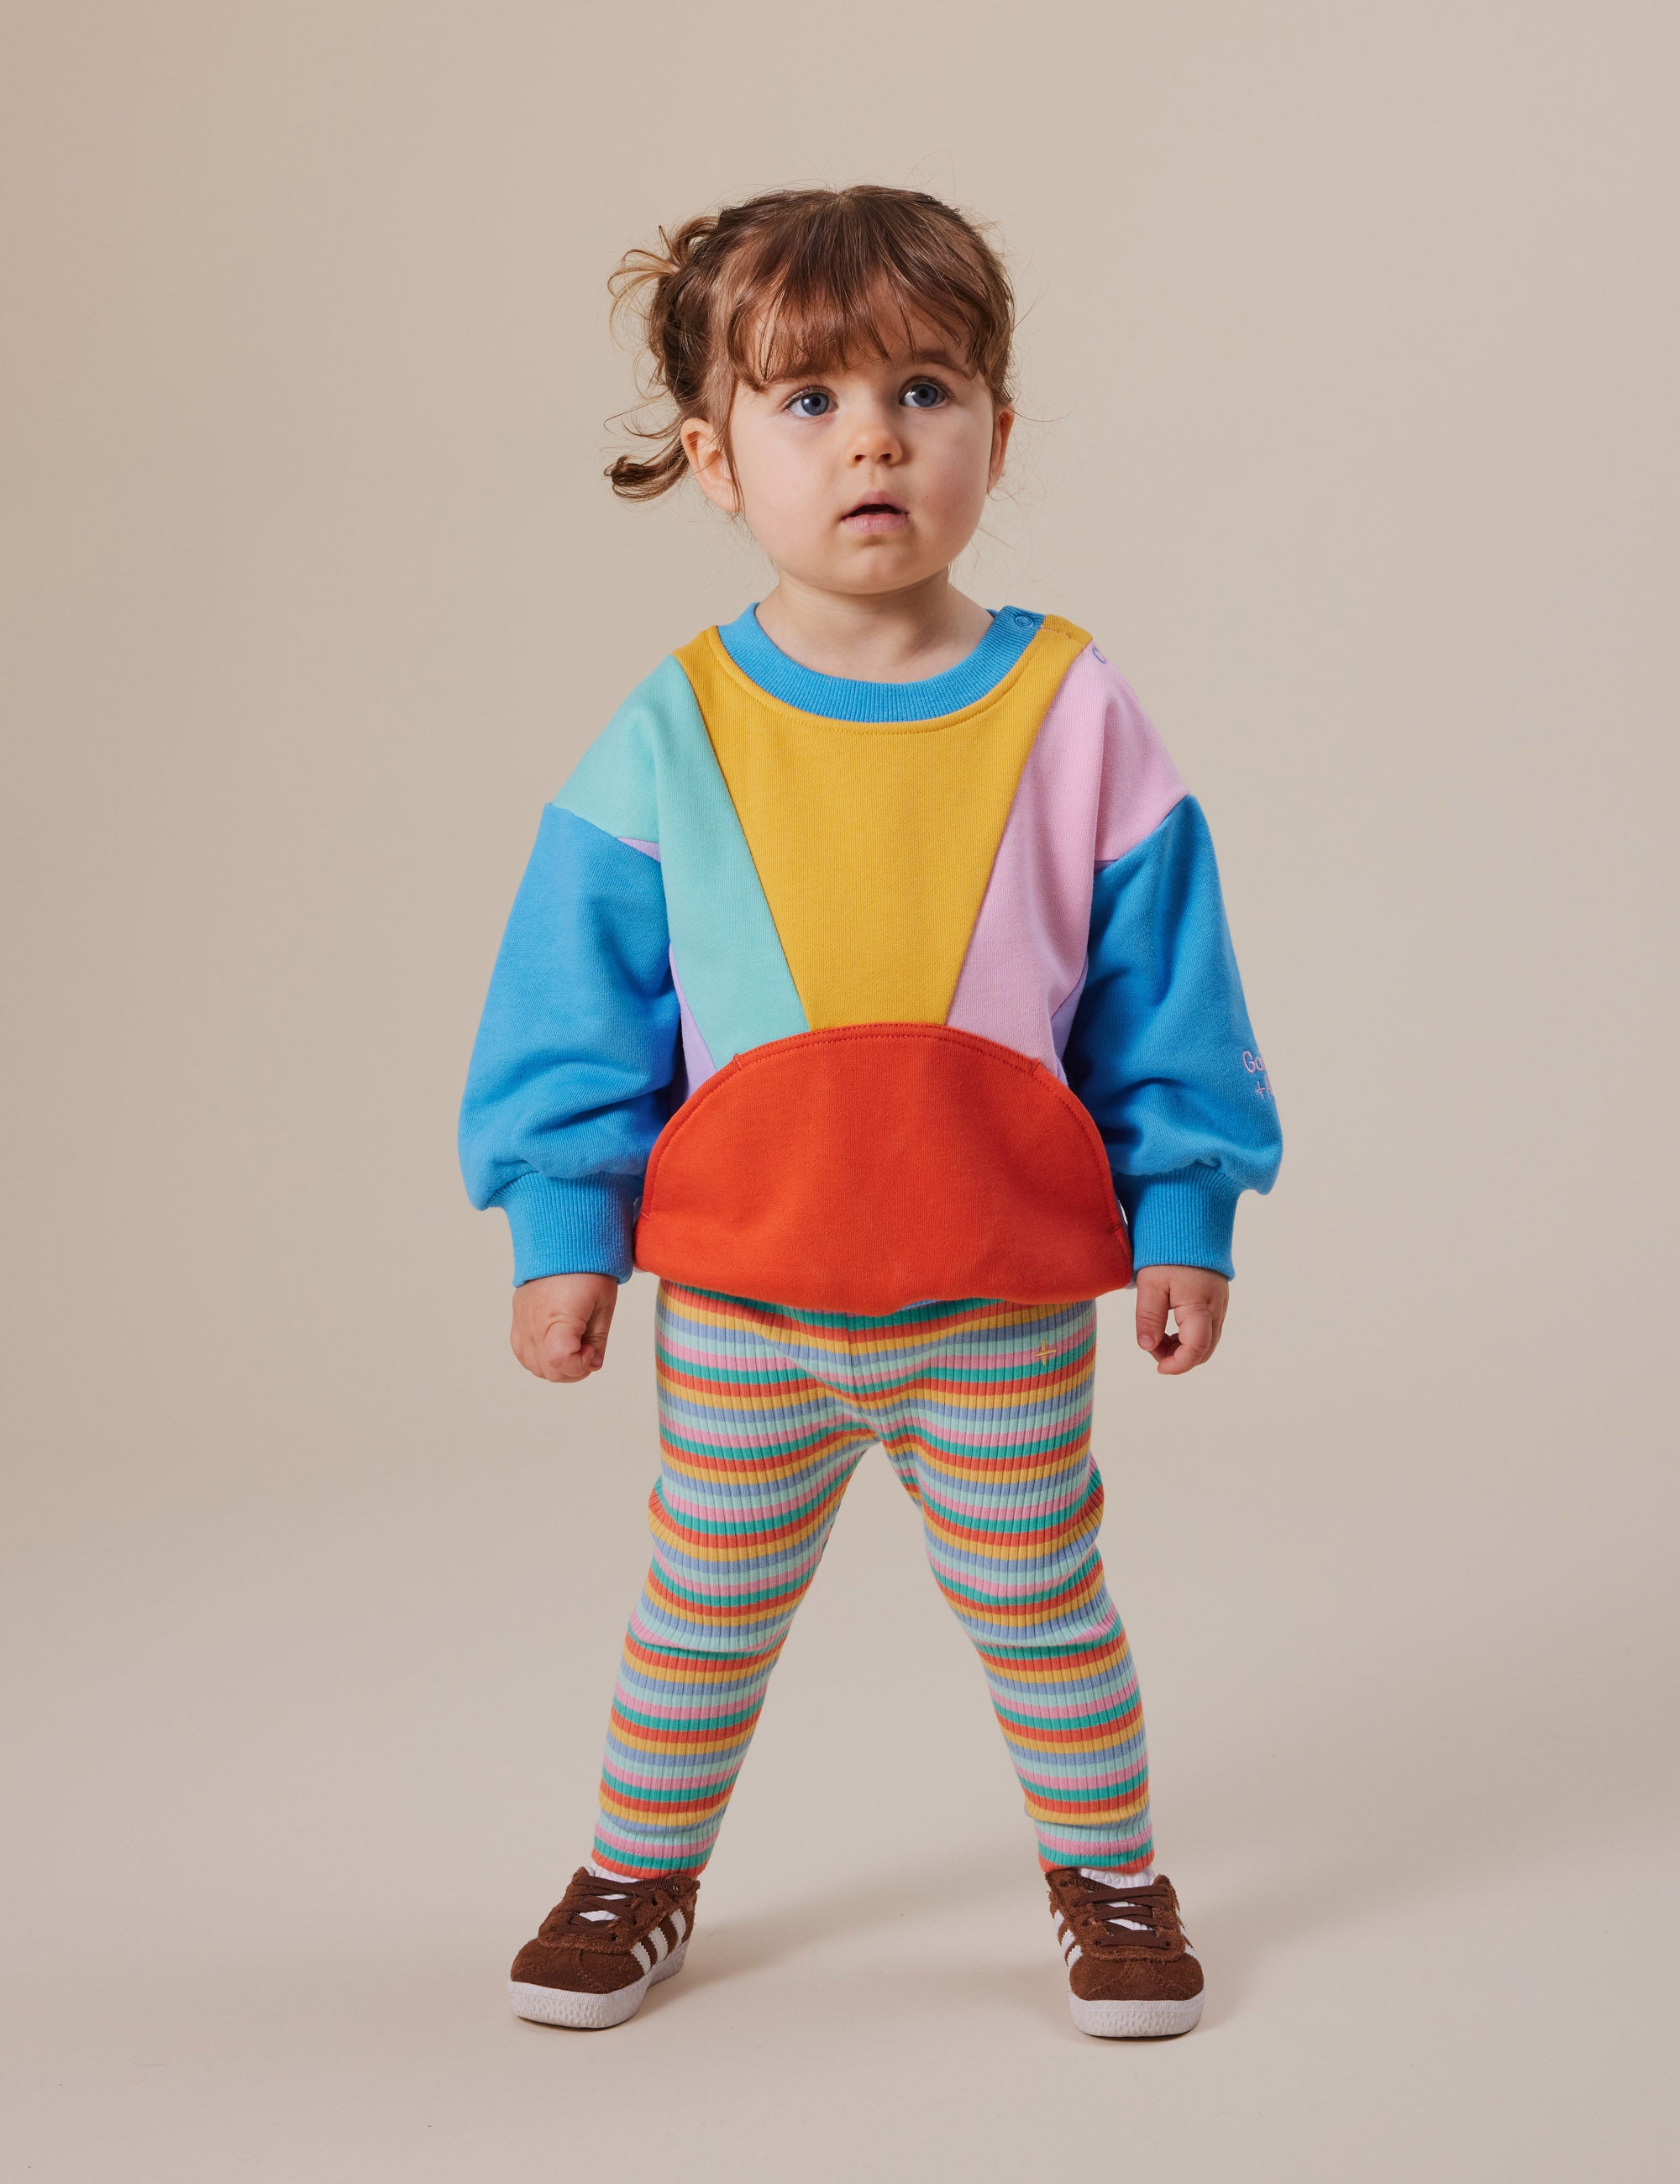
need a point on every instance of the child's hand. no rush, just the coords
(560, 1325)
(1196, 1300)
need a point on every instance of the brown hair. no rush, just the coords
(788, 282)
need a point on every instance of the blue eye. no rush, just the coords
(923, 394)
(825, 401)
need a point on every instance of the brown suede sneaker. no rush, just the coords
(1133, 1973)
(601, 1946)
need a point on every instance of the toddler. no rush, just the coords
(870, 984)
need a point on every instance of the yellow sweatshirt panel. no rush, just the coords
(873, 840)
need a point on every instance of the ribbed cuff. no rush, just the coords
(585, 1227)
(1184, 1219)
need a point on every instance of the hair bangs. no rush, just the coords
(809, 321)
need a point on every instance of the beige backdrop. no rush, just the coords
(1349, 356)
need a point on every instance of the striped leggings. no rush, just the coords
(984, 1409)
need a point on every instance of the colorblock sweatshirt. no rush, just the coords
(852, 995)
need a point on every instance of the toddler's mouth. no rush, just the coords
(875, 513)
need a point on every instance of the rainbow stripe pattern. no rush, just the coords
(983, 1407)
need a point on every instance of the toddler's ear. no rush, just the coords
(1002, 424)
(703, 444)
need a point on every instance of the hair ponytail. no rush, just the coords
(664, 292)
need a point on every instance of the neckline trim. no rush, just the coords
(845, 698)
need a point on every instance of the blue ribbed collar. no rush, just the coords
(839, 698)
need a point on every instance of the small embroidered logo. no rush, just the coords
(1043, 1351)
(1255, 1066)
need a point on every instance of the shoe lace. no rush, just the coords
(598, 1902)
(1132, 1912)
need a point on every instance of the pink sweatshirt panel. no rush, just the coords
(1140, 783)
(1096, 782)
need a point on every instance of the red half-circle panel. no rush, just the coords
(867, 1167)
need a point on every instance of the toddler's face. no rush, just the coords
(863, 480)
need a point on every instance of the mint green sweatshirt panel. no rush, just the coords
(652, 776)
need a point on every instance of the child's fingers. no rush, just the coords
(1152, 1309)
(1196, 1302)
(551, 1352)
(565, 1353)
(595, 1334)
(548, 1336)
(1194, 1344)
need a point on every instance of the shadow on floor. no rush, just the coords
(1355, 1802)
(747, 1944)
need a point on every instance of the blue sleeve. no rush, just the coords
(1162, 1053)
(570, 1075)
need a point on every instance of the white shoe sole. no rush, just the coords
(1135, 2020)
(590, 2012)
